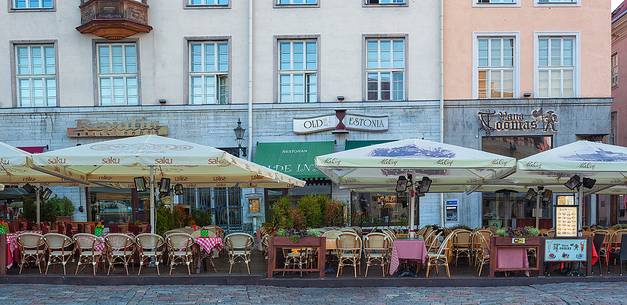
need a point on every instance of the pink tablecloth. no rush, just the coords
(409, 250)
(512, 258)
(209, 243)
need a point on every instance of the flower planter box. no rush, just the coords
(523, 243)
(277, 243)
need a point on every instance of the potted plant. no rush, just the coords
(520, 236)
(99, 230)
(4, 227)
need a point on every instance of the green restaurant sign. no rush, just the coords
(296, 159)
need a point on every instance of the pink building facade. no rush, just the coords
(522, 77)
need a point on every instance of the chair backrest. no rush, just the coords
(445, 244)
(462, 238)
(349, 241)
(172, 232)
(196, 234)
(215, 231)
(598, 240)
(180, 241)
(56, 241)
(149, 241)
(239, 241)
(377, 241)
(434, 242)
(119, 242)
(85, 241)
(604, 233)
(30, 240)
(331, 234)
(618, 236)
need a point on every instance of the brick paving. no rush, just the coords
(574, 293)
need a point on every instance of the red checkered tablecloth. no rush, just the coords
(209, 243)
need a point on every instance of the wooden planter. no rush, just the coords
(277, 243)
(3, 254)
(497, 243)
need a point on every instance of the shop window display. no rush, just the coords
(507, 208)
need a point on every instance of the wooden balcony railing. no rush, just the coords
(114, 19)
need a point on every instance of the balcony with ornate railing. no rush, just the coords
(114, 19)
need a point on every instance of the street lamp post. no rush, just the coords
(239, 136)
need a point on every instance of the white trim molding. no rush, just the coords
(576, 60)
(517, 3)
(537, 3)
(475, 60)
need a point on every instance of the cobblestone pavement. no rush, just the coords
(580, 293)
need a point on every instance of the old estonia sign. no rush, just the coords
(134, 127)
(341, 122)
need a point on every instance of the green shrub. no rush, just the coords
(201, 218)
(312, 207)
(281, 213)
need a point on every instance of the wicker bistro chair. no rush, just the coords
(440, 257)
(331, 237)
(296, 258)
(477, 237)
(58, 252)
(180, 250)
(616, 242)
(483, 255)
(348, 252)
(85, 246)
(462, 245)
(32, 249)
(377, 250)
(603, 250)
(239, 247)
(119, 250)
(150, 246)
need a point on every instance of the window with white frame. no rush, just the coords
(118, 77)
(385, 69)
(207, 3)
(496, 1)
(614, 69)
(296, 2)
(36, 75)
(556, 66)
(385, 2)
(298, 71)
(209, 72)
(32, 4)
(495, 67)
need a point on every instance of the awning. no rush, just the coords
(296, 159)
(353, 144)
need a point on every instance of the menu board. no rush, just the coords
(567, 214)
(566, 250)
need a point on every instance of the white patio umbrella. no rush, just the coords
(379, 166)
(607, 164)
(118, 162)
(14, 169)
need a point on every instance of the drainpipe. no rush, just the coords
(443, 208)
(250, 79)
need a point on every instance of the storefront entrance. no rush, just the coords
(507, 208)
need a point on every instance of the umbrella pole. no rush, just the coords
(38, 205)
(538, 199)
(153, 221)
(580, 203)
(412, 212)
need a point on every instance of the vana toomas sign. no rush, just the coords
(341, 121)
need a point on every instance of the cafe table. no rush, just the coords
(407, 249)
(207, 245)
